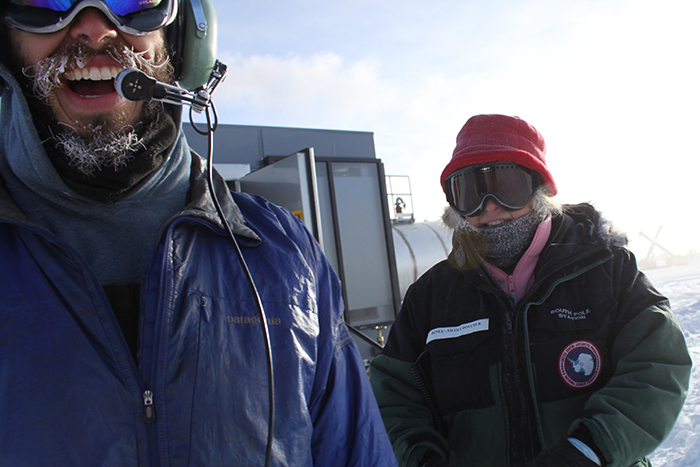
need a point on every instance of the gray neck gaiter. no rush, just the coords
(503, 245)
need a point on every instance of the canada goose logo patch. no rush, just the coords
(579, 364)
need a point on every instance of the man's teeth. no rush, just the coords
(93, 73)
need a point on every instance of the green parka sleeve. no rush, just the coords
(637, 408)
(406, 417)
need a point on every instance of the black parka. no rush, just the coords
(592, 348)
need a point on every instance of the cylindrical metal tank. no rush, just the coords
(418, 246)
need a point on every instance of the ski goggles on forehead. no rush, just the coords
(510, 185)
(136, 17)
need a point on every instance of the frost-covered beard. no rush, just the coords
(102, 150)
(102, 142)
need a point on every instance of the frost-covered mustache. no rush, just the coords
(69, 64)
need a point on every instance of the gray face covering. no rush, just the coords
(503, 245)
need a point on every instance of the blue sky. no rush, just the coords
(611, 84)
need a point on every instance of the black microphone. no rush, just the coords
(135, 85)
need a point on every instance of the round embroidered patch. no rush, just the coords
(579, 364)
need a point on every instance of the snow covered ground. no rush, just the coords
(681, 284)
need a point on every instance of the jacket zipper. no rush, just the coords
(149, 410)
(90, 276)
(149, 397)
(509, 322)
(519, 432)
(514, 390)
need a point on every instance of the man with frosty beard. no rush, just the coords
(129, 334)
(538, 342)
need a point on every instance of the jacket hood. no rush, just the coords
(17, 129)
(593, 226)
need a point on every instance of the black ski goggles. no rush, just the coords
(136, 17)
(512, 186)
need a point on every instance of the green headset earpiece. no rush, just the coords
(192, 38)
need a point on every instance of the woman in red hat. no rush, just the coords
(538, 342)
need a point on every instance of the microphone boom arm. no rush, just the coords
(135, 85)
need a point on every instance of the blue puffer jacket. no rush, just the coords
(72, 395)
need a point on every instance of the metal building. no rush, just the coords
(335, 183)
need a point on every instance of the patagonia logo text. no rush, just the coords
(563, 313)
(254, 320)
(458, 331)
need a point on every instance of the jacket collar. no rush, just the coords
(201, 204)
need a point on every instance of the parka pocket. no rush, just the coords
(459, 369)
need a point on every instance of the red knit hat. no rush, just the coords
(500, 138)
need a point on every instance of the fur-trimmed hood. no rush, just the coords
(587, 216)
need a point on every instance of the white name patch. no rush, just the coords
(458, 331)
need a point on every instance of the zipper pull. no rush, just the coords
(149, 411)
(509, 322)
